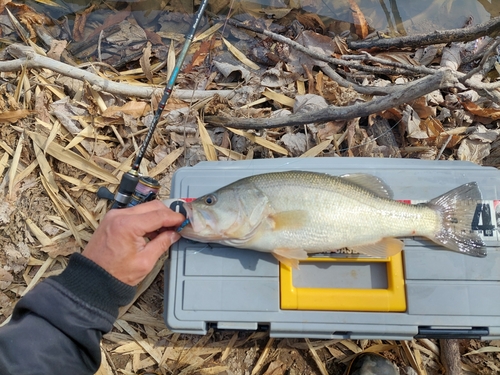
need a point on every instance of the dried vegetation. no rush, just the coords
(270, 82)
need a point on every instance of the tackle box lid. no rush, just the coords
(425, 291)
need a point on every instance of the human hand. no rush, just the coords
(119, 245)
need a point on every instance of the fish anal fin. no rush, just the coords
(290, 257)
(386, 247)
(371, 183)
(289, 220)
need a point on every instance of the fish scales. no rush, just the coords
(291, 214)
(339, 213)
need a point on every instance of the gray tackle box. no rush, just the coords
(426, 292)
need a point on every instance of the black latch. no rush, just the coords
(452, 333)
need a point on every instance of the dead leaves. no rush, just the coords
(145, 62)
(80, 23)
(311, 21)
(14, 116)
(477, 146)
(489, 113)
(451, 56)
(359, 20)
(3, 3)
(27, 16)
(6, 279)
(57, 48)
(132, 108)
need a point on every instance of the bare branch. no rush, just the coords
(407, 93)
(320, 56)
(491, 28)
(365, 56)
(27, 57)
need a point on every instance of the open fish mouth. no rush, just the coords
(196, 224)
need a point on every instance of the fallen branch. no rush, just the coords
(407, 93)
(366, 57)
(491, 28)
(450, 356)
(27, 57)
(319, 56)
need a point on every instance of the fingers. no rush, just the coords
(144, 218)
(154, 220)
(143, 207)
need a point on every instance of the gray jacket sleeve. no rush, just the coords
(57, 327)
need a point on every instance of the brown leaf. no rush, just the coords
(3, 3)
(28, 17)
(399, 57)
(146, 63)
(412, 122)
(491, 113)
(64, 248)
(441, 139)
(359, 20)
(311, 21)
(316, 42)
(57, 47)
(114, 19)
(199, 56)
(424, 111)
(153, 37)
(433, 126)
(473, 150)
(6, 278)
(275, 368)
(341, 45)
(80, 22)
(14, 116)
(132, 108)
(329, 129)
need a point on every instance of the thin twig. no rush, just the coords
(366, 90)
(491, 28)
(365, 56)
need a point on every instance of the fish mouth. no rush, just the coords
(198, 223)
(193, 223)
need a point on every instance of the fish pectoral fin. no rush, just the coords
(386, 247)
(290, 257)
(289, 220)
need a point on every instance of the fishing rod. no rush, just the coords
(134, 188)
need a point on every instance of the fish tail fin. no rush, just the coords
(457, 208)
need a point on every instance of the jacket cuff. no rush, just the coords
(94, 285)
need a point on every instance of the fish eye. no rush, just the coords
(210, 200)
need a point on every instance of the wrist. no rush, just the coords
(94, 285)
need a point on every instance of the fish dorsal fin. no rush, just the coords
(386, 247)
(371, 183)
(289, 220)
(290, 257)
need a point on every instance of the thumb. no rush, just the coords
(160, 244)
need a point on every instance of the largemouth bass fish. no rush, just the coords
(291, 214)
